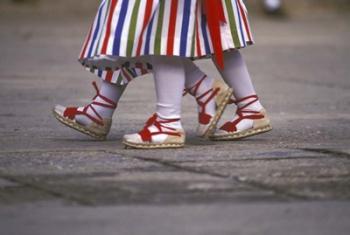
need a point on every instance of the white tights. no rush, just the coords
(236, 75)
(165, 67)
(169, 77)
(193, 76)
(108, 90)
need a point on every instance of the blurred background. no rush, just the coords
(75, 7)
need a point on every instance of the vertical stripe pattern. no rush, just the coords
(129, 29)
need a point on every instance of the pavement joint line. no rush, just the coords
(251, 183)
(172, 164)
(329, 152)
(31, 151)
(256, 159)
(59, 195)
(78, 175)
(51, 151)
(188, 169)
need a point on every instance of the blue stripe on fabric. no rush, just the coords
(148, 36)
(205, 34)
(119, 29)
(185, 26)
(240, 24)
(97, 29)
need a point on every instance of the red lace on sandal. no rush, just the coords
(146, 135)
(232, 126)
(203, 117)
(71, 112)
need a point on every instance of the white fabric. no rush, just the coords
(112, 92)
(169, 77)
(108, 90)
(256, 106)
(236, 75)
(244, 124)
(193, 76)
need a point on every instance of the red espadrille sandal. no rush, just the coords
(99, 127)
(222, 94)
(156, 135)
(245, 123)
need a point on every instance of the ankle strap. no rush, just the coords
(154, 119)
(145, 133)
(254, 97)
(110, 103)
(196, 86)
(71, 112)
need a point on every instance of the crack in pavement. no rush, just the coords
(173, 164)
(251, 183)
(254, 159)
(48, 191)
(329, 152)
(40, 151)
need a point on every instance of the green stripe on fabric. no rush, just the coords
(233, 25)
(193, 41)
(120, 78)
(158, 38)
(132, 28)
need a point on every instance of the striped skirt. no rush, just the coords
(125, 33)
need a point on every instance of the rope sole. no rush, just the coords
(242, 134)
(220, 110)
(152, 146)
(77, 127)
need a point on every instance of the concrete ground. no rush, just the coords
(293, 180)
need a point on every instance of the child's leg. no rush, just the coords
(164, 130)
(198, 84)
(169, 77)
(250, 118)
(98, 106)
(211, 96)
(236, 75)
(95, 118)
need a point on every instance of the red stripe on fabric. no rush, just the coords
(244, 16)
(146, 19)
(109, 76)
(172, 27)
(214, 11)
(198, 42)
(86, 43)
(109, 24)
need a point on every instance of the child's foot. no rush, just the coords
(93, 120)
(250, 119)
(157, 133)
(211, 105)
